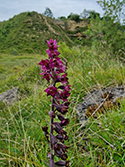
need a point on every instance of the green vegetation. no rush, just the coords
(101, 143)
(22, 141)
(25, 33)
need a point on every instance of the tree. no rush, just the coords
(94, 15)
(48, 12)
(63, 18)
(87, 14)
(108, 31)
(112, 8)
(74, 17)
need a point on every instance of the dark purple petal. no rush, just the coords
(51, 90)
(63, 147)
(64, 95)
(67, 103)
(60, 154)
(60, 117)
(64, 122)
(64, 79)
(61, 87)
(58, 128)
(45, 129)
(46, 133)
(66, 137)
(62, 163)
(59, 136)
(67, 88)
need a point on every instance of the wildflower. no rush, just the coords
(64, 95)
(51, 70)
(51, 90)
(62, 108)
(52, 44)
(52, 53)
(67, 88)
(46, 76)
(44, 65)
(64, 79)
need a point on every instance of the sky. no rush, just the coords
(9, 8)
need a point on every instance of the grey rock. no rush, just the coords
(9, 96)
(96, 97)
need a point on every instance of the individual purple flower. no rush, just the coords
(58, 128)
(51, 90)
(64, 95)
(60, 154)
(61, 69)
(52, 44)
(67, 88)
(64, 79)
(46, 76)
(62, 147)
(52, 53)
(62, 108)
(45, 65)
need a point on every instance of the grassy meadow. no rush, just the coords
(22, 142)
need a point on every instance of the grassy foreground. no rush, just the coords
(22, 141)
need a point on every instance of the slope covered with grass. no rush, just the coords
(25, 32)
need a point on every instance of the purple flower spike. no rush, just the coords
(54, 69)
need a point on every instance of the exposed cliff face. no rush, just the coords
(71, 25)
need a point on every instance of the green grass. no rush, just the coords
(22, 141)
(25, 32)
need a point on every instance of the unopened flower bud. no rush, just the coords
(61, 117)
(62, 163)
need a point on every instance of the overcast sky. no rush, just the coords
(9, 8)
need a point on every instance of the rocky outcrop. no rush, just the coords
(99, 100)
(60, 23)
(9, 96)
(71, 25)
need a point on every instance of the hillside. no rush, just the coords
(28, 32)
